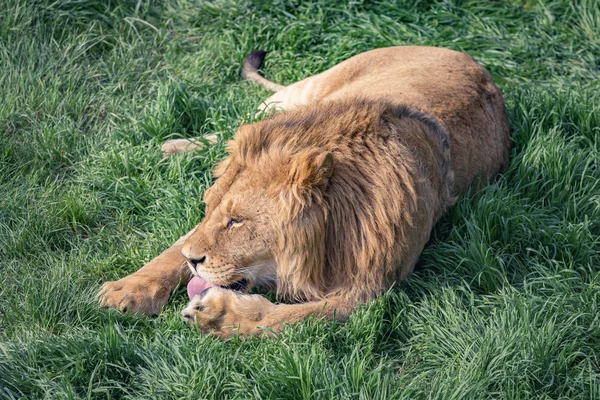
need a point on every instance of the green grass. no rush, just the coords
(505, 303)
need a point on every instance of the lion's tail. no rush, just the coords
(250, 70)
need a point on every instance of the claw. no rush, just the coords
(102, 291)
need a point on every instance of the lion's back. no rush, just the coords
(447, 84)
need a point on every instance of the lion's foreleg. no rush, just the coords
(147, 290)
(226, 313)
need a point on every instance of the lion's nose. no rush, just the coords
(196, 261)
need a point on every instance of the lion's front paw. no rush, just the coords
(139, 294)
(225, 313)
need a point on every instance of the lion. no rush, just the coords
(330, 200)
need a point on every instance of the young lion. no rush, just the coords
(330, 202)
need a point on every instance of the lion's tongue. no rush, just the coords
(197, 285)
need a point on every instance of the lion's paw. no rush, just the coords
(226, 313)
(136, 294)
(184, 145)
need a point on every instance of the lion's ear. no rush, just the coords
(311, 169)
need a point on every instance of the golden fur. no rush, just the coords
(332, 201)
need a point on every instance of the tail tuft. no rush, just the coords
(252, 62)
(250, 68)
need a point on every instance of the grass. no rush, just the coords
(505, 303)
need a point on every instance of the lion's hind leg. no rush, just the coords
(185, 145)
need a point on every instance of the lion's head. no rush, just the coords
(309, 201)
(264, 211)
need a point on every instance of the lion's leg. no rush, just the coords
(184, 145)
(224, 312)
(148, 290)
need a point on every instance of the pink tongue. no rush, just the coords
(197, 285)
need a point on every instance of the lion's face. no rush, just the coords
(234, 244)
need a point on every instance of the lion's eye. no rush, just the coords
(232, 222)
